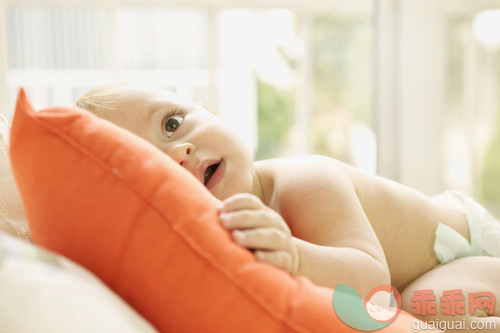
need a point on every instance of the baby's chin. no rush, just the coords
(224, 192)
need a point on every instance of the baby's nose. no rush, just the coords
(181, 151)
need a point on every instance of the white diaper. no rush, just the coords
(484, 233)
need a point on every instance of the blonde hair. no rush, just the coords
(103, 98)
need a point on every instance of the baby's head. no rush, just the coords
(189, 133)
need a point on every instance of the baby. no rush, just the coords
(315, 216)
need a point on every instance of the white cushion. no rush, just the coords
(46, 293)
(12, 217)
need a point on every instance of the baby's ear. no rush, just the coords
(207, 108)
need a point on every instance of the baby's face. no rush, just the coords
(193, 136)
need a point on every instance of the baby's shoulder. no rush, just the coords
(308, 190)
(304, 175)
(309, 160)
(303, 168)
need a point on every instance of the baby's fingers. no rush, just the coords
(241, 201)
(281, 259)
(252, 219)
(262, 239)
(271, 245)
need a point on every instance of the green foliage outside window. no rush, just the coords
(342, 83)
(342, 59)
(275, 112)
(490, 187)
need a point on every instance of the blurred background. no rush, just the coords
(407, 89)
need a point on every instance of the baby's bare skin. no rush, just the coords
(403, 220)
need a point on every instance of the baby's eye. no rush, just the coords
(172, 124)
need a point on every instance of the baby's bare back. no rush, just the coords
(403, 219)
(405, 222)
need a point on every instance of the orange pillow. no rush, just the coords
(112, 202)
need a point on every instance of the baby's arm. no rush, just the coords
(333, 242)
(334, 238)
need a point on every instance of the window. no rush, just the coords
(54, 52)
(290, 80)
(473, 126)
(342, 59)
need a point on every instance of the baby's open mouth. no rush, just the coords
(209, 172)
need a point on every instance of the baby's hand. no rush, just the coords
(259, 228)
